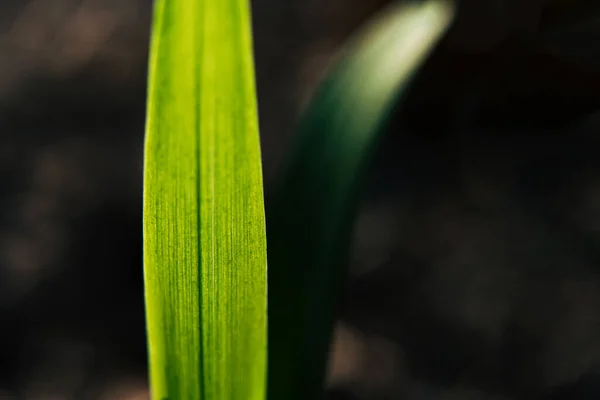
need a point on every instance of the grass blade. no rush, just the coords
(204, 229)
(309, 218)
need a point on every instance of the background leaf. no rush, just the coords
(310, 217)
(204, 233)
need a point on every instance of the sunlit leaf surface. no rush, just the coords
(204, 229)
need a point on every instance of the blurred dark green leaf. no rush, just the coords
(310, 217)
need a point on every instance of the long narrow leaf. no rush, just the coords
(204, 229)
(310, 216)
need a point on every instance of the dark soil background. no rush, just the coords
(476, 259)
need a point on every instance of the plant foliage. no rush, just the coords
(310, 216)
(204, 229)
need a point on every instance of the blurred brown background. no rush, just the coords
(476, 257)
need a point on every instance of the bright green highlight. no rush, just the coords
(204, 227)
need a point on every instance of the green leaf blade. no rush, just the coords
(311, 214)
(204, 229)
